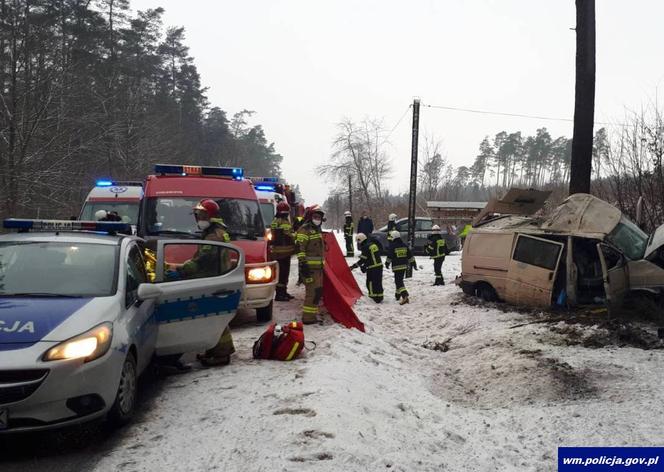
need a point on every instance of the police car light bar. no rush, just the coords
(235, 173)
(67, 225)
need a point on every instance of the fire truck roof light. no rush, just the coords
(67, 225)
(236, 173)
(265, 188)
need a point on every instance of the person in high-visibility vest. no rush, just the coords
(349, 229)
(437, 249)
(311, 259)
(371, 264)
(282, 247)
(464, 233)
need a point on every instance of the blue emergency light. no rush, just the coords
(67, 225)
(235, 173)
(104, 183)
(265, 188)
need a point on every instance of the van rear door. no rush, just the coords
(532, 271)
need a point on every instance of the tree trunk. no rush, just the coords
(584, 105)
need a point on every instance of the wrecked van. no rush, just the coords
(585, 252)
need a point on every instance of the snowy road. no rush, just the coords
(439, 384)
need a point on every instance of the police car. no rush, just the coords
(84, 308)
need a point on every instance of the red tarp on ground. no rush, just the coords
(340, 289)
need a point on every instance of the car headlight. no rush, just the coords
(90, 345)
(259, 275)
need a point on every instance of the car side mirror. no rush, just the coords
(149, 292)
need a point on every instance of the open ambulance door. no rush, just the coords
(196, 299)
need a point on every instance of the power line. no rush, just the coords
(397, 125)
(517, 115)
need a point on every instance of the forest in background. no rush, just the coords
(627, 165)
(90, 89)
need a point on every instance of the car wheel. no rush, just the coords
(487, 293)
(124, 406)
(263, 315)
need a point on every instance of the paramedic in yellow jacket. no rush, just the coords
(311, 258)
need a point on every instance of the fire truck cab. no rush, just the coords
(166, 213)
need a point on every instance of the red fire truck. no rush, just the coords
(166, 212)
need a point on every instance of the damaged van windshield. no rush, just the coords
(627, 237)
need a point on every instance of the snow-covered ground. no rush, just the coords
(439, 384)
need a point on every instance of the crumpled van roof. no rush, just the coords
(579, 215)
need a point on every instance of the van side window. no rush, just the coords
(423, 225)
(537, 252)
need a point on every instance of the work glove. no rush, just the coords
(172, 275)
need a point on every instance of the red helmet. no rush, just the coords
(283, 207)
(209, 206)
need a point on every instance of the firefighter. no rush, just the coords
(310, 258)
(437, 249)
(391, 225)
(297, 224)
(213, 229)
(400, 258)
(464, 233)
(371, 264)
(349, 228)
(282, 247)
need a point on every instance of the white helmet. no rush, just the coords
(435, 228)
(361, 237)
(395, 234)
(347, 213)
(392, 217)
(100, 215)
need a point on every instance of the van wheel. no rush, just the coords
(468, 289)
(486, 292)
(263, 315)
(124, 406)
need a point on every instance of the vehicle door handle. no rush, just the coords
(223, 293)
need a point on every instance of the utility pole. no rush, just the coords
(584, 100)
(350, 194)
(413, 174)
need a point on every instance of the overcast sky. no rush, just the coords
(304, 65)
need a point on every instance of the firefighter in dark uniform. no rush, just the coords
(282, 247)
(349, 229)
(400, 258)
(437, 249)
(298, 221)
(371, 264)
(311, 258)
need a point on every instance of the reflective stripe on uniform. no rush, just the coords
(371, 292)
(399, 268)
(310, 309)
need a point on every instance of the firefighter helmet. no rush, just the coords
(347, 214)
(393, 217)
(361, 237)
(395, 234)
(100, 215)
(209, 206)
(435, 228)
(283, 207)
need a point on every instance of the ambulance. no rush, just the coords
(166, 213)
(121, 197)
(270, 191)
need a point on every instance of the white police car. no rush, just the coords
(79, 320)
